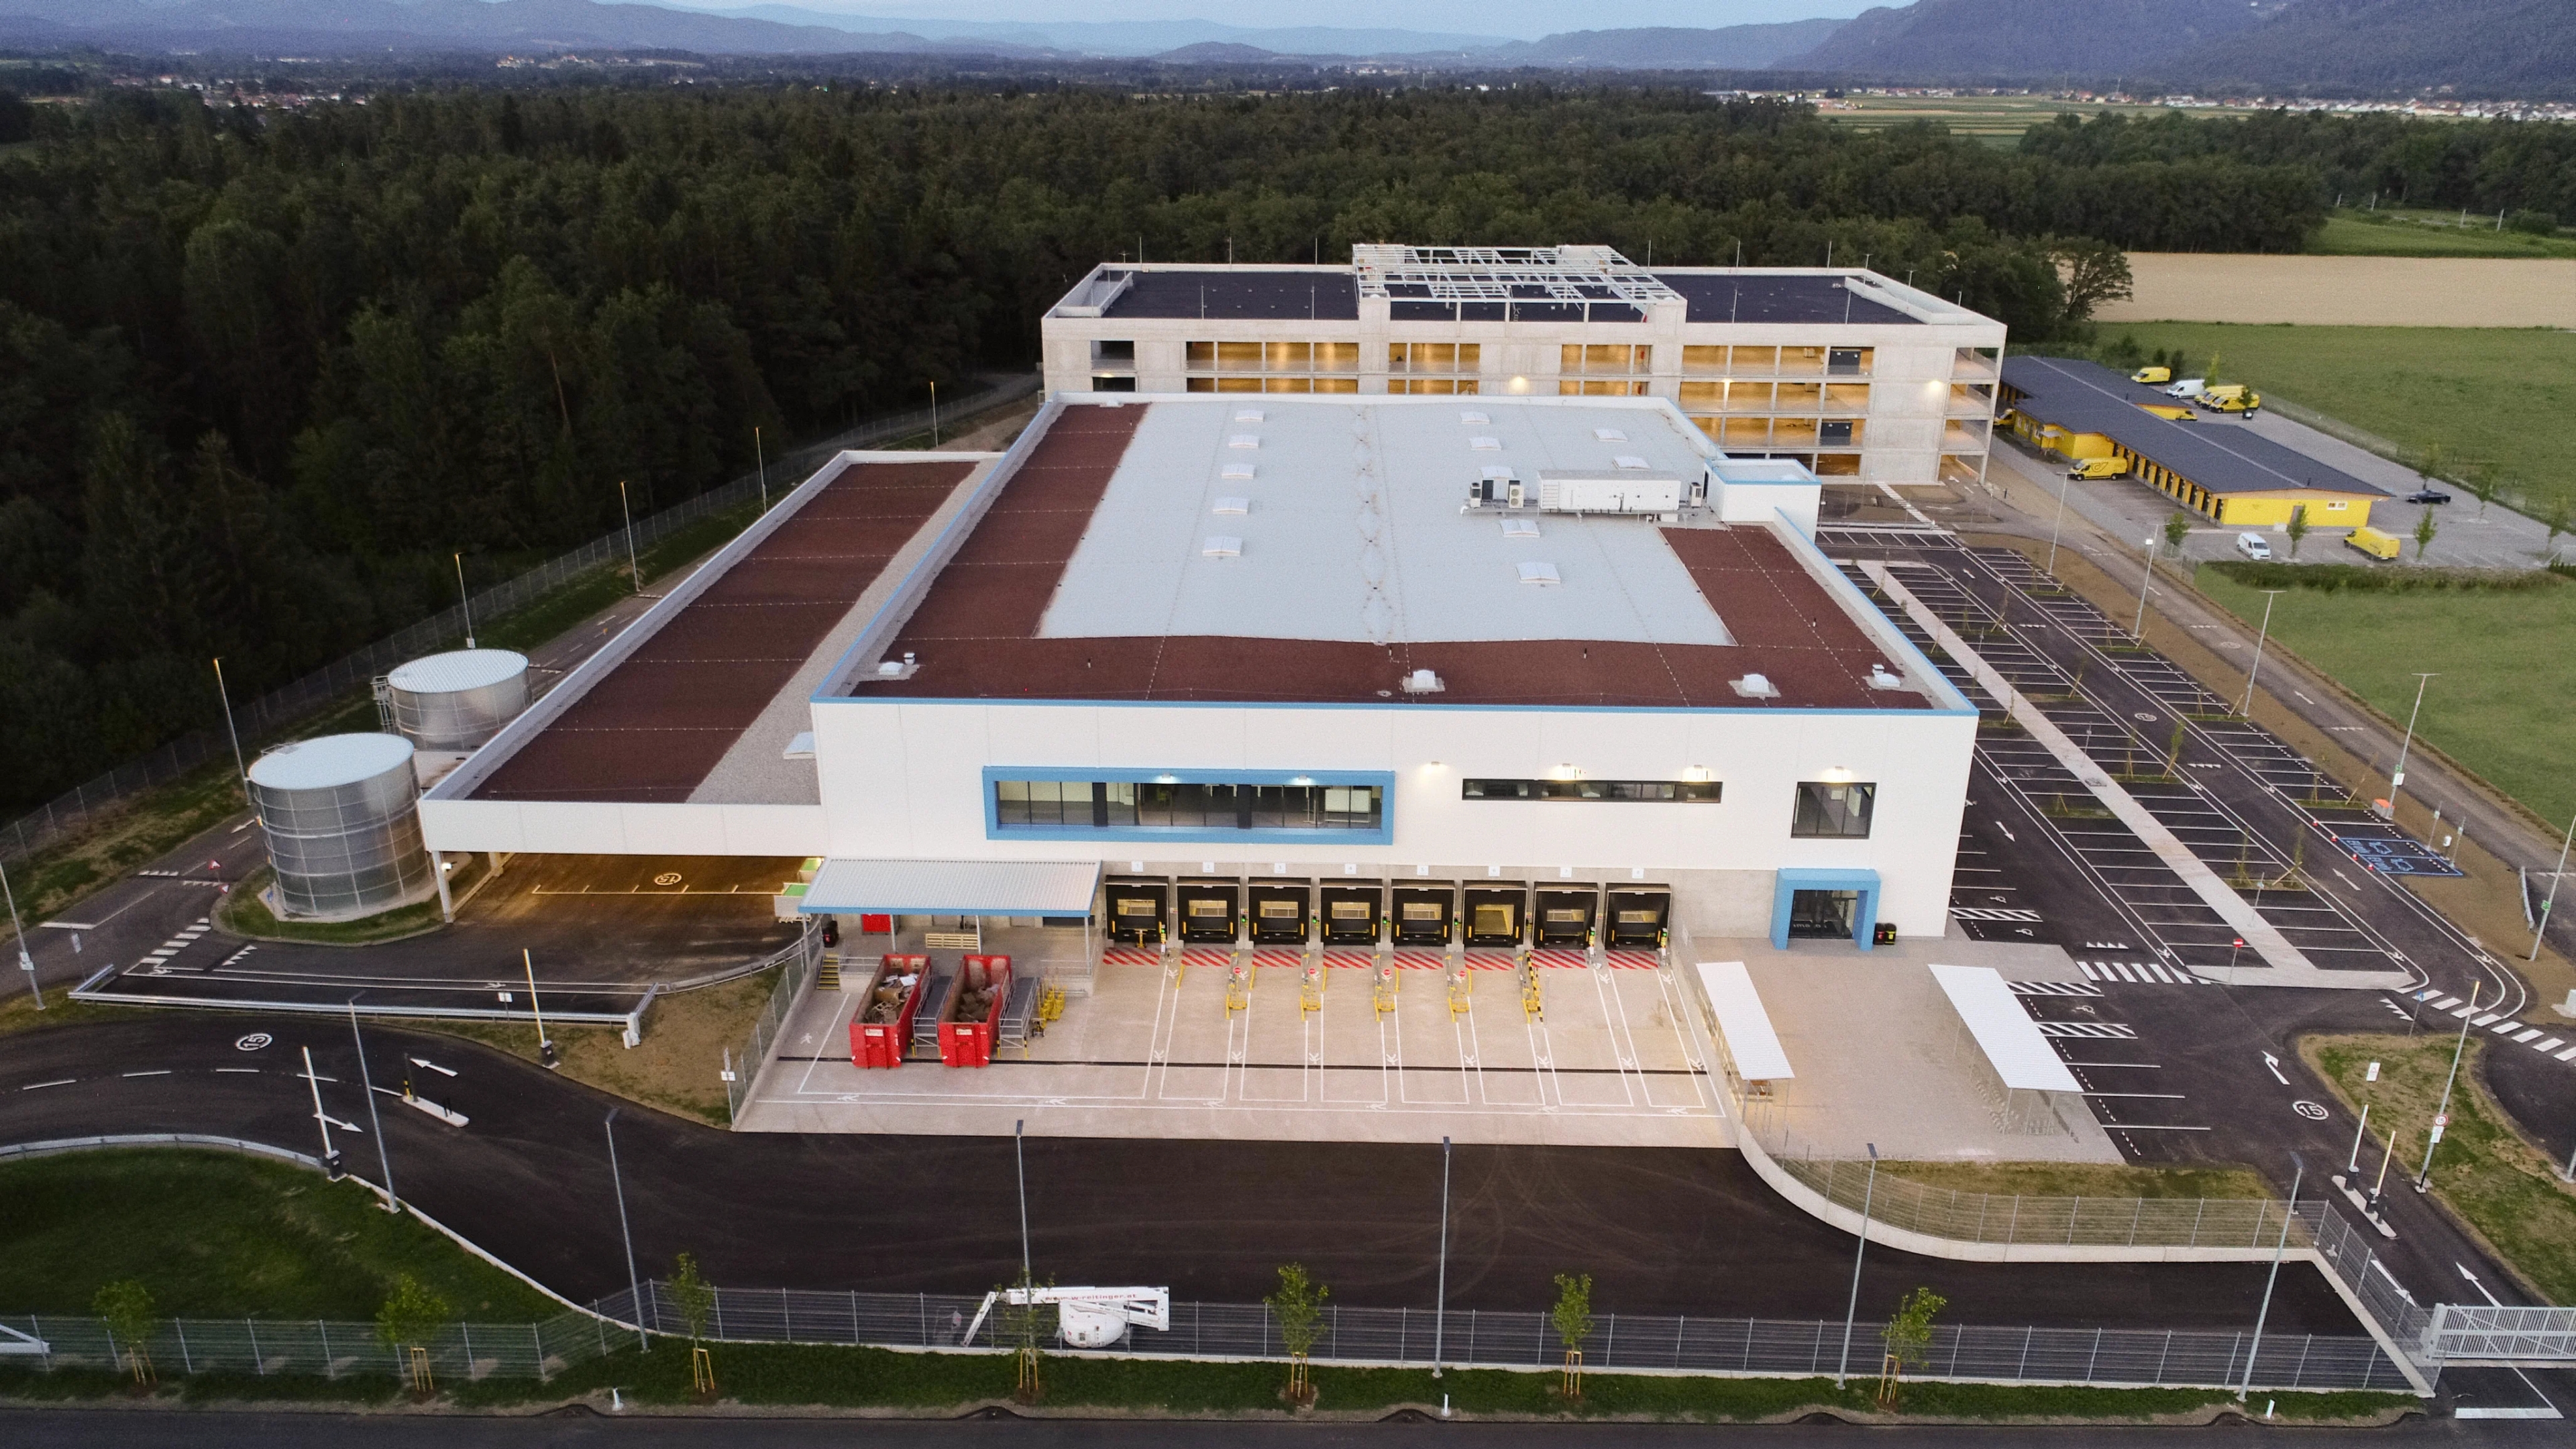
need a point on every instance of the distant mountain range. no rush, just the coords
(2524, 47)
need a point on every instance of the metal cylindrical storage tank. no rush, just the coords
(343, 825)
(458, 700)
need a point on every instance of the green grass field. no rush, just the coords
(1997, 121)
(2506, 672)
(2391, 233)
(2485, 395)
(215, 1235)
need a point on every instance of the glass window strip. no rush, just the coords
(1659, 792)
(1056, 805)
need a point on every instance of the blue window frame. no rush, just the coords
(1249, 806)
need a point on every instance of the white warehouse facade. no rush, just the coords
(1492, 659)
(1852, 374)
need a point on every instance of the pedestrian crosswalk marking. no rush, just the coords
(1991, 913)
(2141, 971)
(2111, 1029)
(2055, 988)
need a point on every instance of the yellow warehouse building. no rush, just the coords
(2219, 469)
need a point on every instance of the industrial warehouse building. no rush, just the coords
(1849, 373)
(2221, 470)
(1428, 669)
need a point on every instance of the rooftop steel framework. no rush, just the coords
(1505, 274)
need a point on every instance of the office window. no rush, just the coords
(1699, 792)
(1833, 812)
(1057, 806)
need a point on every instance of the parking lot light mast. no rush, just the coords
(2063, 484)
(2298, 1175)
(330, 1159)
(545, 1045)
(464, 601)
(1440, 1301)
(1020, 1166)
(2397, 776)
(634, 1283)
(2138, 631)
(2261, 636)
(2433, 1138)
(240, 770)
(18, 933)
(1851, 1310)
(2536, 932)
(628, 510)
(375, 1123)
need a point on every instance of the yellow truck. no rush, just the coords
(2152, 376)
(2099, 468)
(2230, 397)
(2381, 546)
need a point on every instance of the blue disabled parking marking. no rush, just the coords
(2395, 855)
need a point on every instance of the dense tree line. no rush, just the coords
(261, 373)
(2483, 166)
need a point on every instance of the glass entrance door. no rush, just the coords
(1822, 915)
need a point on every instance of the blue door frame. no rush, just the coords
(1864, 915)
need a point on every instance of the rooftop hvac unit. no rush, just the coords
(1595, 493)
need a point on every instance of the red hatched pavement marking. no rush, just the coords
(1419, 961)
(1278, 956)
(1130, 956)
(1632, 960)
(1206, 956)
(1558, 956)
(1489, 960)
(1355, 960)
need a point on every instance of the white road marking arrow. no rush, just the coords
(433, 1066)
(2273, 1064)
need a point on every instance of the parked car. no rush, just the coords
(2186, 387)
(2254, 546)
(2428, 495)
(2105, 467)
(2381, 546)
(2152, 376)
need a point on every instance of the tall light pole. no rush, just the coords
(1020, 1165)
(2433, 1138)
(934, 414)
(760, 455)
(375, 1123)
(464, 601)
(2138, 631)
(2261, 636)
(1440, 1302)
(2298, 1174)
(634, 1283)
(240, 770)
(330, 1160)
(2536, 931)
(2063, 484)
(2397, 776)
(18, 933)
(1851, 1310)
(628, 510)
(545, 1044)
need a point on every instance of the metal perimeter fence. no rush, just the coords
(291, 702)
(1359, 1336)
(801, 960)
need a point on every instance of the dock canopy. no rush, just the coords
(953, 888)
(2005, 1032)
(1743, 1024)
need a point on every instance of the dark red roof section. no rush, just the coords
(654, 727)
(975, 631)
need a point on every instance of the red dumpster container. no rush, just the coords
(882, 1043)
(966, 1037)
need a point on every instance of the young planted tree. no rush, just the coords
(2297, 529)
(1024, 1327)
(2484, 482)
(1298, 1311)
(2425, 528)
(696, 1300)
(2556, 522)
(127, 1308)
(1573, 1320)
(412, 1316)
(1908, 1337)
(2177, 528)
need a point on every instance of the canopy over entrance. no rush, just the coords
(953, 888)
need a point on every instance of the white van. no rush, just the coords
(2253, 546)
(2187, 387)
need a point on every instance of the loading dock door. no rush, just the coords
(1138, 911)
(1422, 914)
(1637, 918)
(1208, 914)
(1565, 917)
(1353, 915)
(1279, 915)
(1496, 914)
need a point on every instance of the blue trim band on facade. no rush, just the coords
(1791, 880)
(1964, 711)
(1384, 780)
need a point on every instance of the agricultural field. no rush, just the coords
(2501, 397)
(2499, 703)
(2388, 232)
(1997, 121)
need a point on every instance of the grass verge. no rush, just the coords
(2390, 232)
(675, 1068)
(243, 913)
(862, 1379)
(2485, 1172)
(2499, 707)
(212, 1234)
(2083, 1179)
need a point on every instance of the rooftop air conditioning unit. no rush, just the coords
(1423, 681)
(1596, 493)
(1755, 686)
